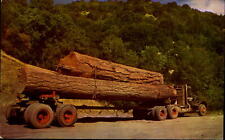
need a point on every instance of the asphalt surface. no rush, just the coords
(191, 127)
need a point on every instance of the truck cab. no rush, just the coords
(187, 103)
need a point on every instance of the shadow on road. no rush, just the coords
(102, 119)
(114, 119)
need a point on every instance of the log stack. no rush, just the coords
(38, 80)
(42, 80)
(76, 64)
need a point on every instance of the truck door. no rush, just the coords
(181, 95)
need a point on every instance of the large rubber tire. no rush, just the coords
(202, 110)
(172, 111)
(11, 114)
(160, 113)
(27, 112)
(66, 115)
(41, 115)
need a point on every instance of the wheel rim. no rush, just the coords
(203, 109)
(69, 116)
(162, 113)
(174, 112)
(43, 117)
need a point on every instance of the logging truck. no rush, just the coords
(39, 103)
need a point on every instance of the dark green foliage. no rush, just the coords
(186, 45)
(42, 4)
(151, 58)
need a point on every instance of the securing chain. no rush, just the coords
(95, 89)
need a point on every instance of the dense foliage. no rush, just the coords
(184, 44)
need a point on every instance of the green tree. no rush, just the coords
(152, 59)
(112, 47)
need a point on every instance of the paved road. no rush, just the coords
(102, 128)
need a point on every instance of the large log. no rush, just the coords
(76, 64)
(35, 81)
(42, 80)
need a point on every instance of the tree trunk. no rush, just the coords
(34, 81)
(41, 80)
(76, 64)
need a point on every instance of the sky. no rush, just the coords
(214, 6)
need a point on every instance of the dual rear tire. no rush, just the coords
(158, 113)
(38, 115)
(41, 115)
(173, 111)
(66, 115)
(162, 113)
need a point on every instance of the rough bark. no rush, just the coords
(76, 64)
(34, 81)
(42, 80)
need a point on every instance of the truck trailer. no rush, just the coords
(38, 103)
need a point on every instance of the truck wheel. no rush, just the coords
(173, 111)
(12, 114)
(66, 115)
(27, 112)
(160, 113)
(41, 115)
(202, 110)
